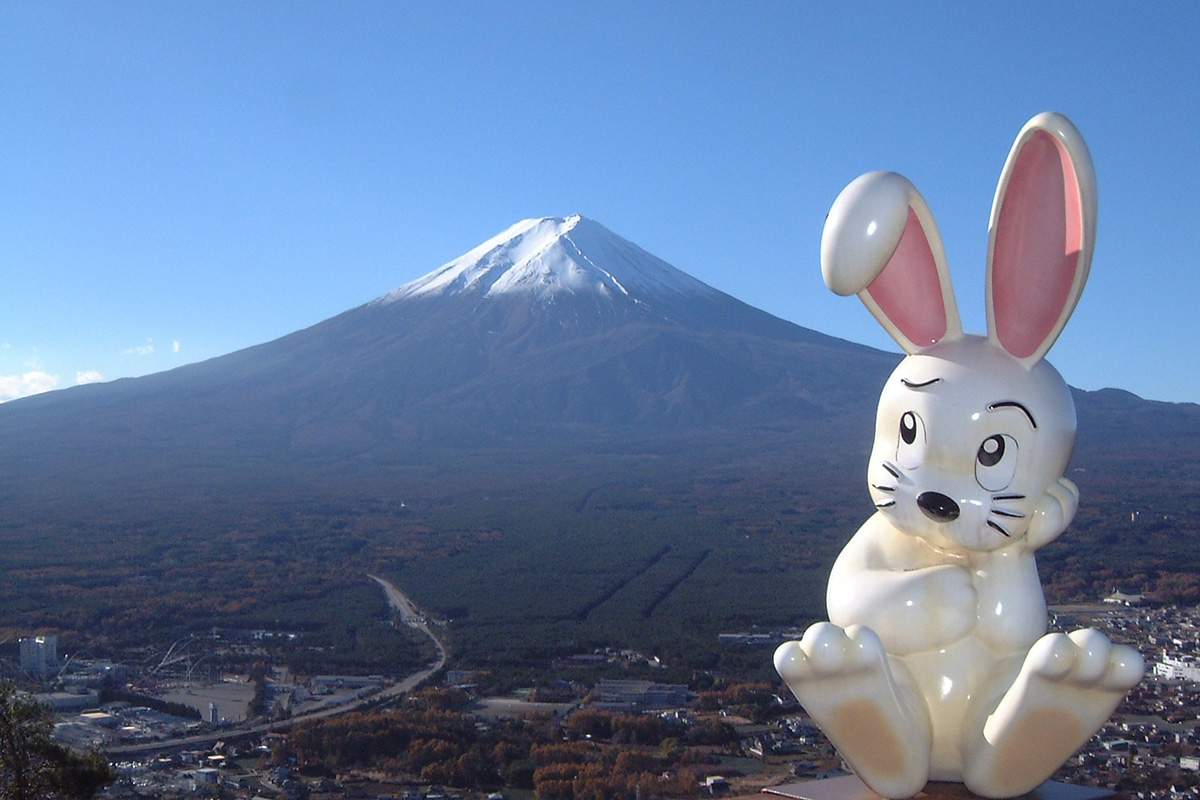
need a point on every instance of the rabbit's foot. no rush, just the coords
(1066, 689)
(843, 680)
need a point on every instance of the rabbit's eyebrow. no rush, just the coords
(1013, 404)
(921, 385)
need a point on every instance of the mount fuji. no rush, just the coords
(554, 329)
(556, 334)
(556, 431)
(547, 257)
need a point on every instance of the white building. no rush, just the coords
(1184, 668)
(1119, 598)
(39, 655)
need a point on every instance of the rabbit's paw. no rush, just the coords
(1053, 514)
(1066, 689)
(843, 680)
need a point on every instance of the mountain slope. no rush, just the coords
(556, 438)
(554, 330)
(556, 326)
(558, 256)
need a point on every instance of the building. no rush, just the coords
(39, 656)
(615, 695)
(64, 701)
(1184, 668)
(1119, 598)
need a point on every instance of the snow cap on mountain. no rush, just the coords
(554, 255)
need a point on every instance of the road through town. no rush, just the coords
(409, 614)
(413, 618)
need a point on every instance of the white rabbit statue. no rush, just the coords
(936, 664)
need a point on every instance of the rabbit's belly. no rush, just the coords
(949, 679)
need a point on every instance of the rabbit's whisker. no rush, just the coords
(887, 504)
(1005, 533)
(1010, 514)
(895, 473)
(1008, 497)
(883, 488)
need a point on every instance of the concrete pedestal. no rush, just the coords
(849, 787)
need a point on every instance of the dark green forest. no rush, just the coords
(527, 559)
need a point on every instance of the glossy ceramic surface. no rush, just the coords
(936, 664)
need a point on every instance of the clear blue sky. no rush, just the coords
(181, 180)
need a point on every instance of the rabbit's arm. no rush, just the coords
(911, 595)
(1012, 609)
(1053, 513)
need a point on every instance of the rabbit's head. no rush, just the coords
(972, 432)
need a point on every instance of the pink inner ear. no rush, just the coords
(1039, 233)
(908, 290)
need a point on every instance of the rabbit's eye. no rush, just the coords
(910, 450)
(996, 462)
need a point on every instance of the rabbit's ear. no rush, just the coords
(1042, 234)
(881, 243)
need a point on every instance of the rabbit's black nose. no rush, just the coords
(937, 506)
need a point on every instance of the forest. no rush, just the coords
(524, 557)
(589, 755)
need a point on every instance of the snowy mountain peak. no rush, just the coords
(552, 256)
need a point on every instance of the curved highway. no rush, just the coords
(414, 619)
(400, 603)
